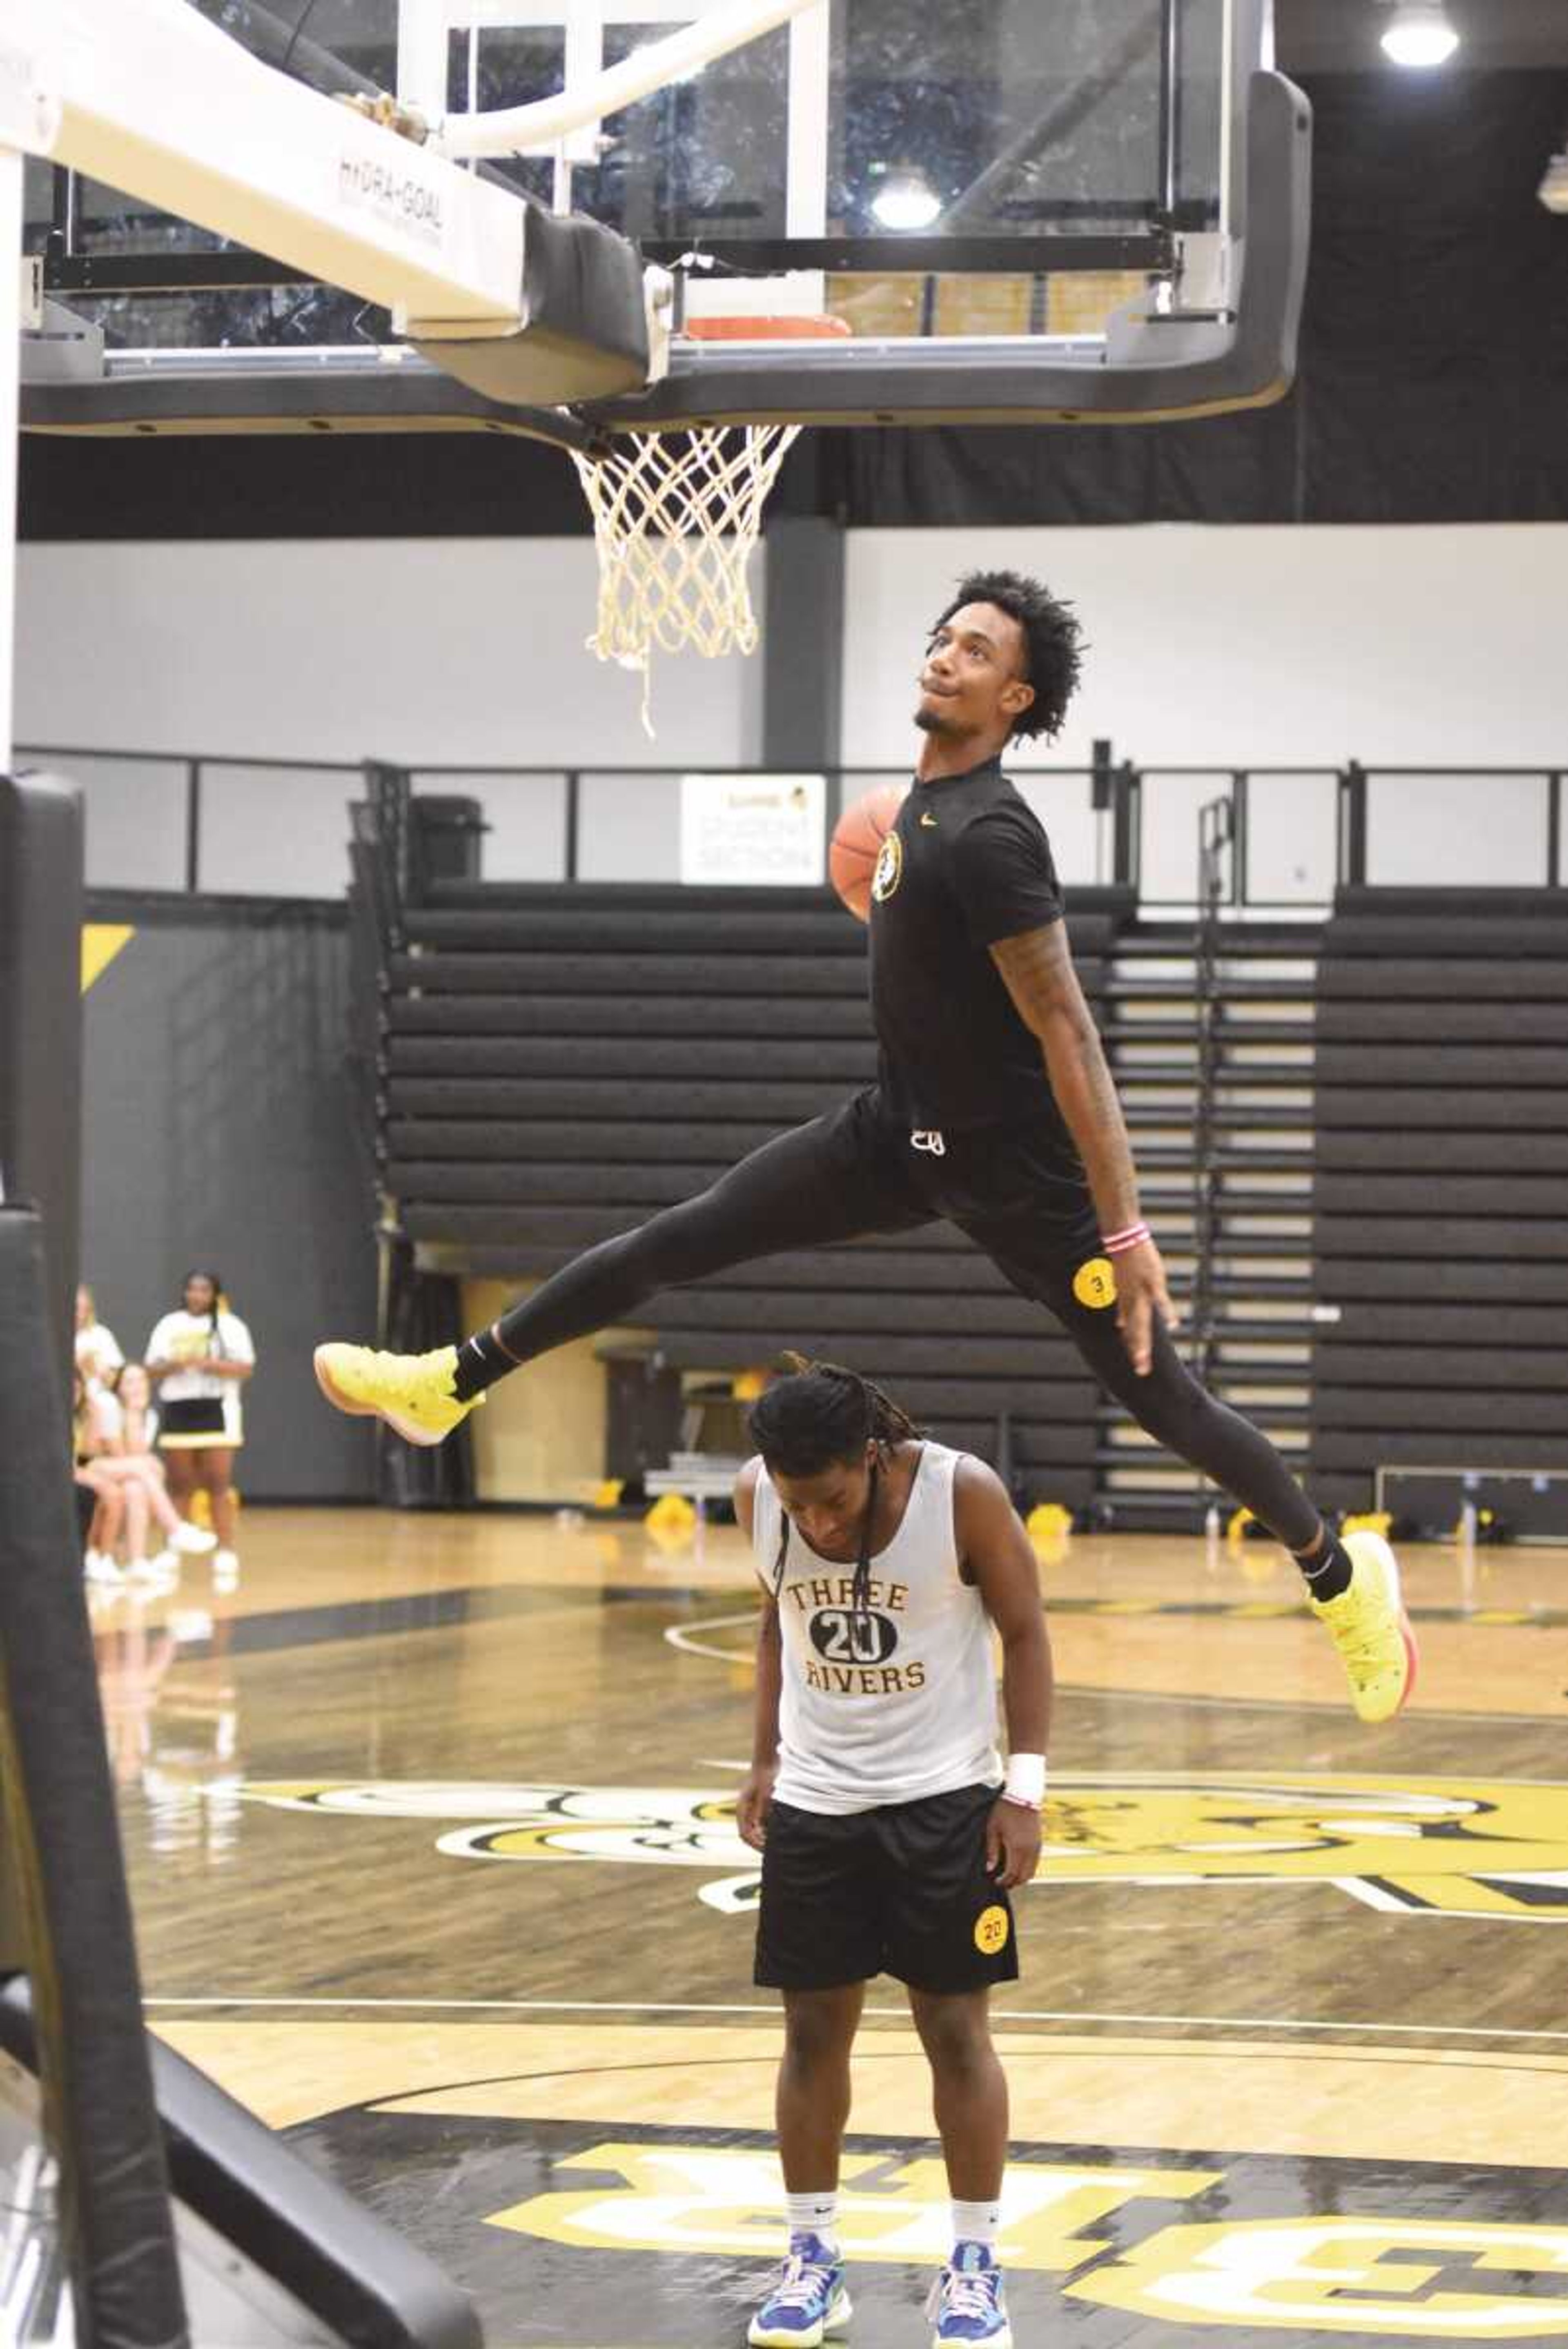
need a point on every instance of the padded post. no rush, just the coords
(63, 1839)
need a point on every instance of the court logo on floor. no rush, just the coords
(1443, 1847)
(633, 2232)
(1450, 2276)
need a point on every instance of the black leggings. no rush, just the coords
(811, 1188)
(1179, 1412)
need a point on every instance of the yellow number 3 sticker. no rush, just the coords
(1095, 1283)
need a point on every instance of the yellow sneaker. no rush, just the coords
(412, 1392)
(1369, 1625)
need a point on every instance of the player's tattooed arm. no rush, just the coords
(1037, 971)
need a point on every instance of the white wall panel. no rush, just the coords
(1267, 645)
(419, 649)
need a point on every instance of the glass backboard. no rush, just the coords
(1011, 176)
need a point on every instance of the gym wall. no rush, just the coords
(1270, 644)
(414, 649)
(1263, 645)
(219, 1132)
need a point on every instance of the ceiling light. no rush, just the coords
(1420, 33)
(906, 199)
(1553, 188)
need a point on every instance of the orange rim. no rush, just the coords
(804, 329)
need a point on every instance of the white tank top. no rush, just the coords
(896, 1707)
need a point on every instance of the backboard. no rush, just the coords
(1011, 209)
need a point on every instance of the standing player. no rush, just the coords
(890, 1840)
(993, 1108)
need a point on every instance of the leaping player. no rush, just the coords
(993, 1108)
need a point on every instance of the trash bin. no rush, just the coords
(446, 835)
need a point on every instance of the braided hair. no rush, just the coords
(200, 1272)
(818, 1413)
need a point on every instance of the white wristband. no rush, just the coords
(1026, 1779)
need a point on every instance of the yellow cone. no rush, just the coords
(672, 1512)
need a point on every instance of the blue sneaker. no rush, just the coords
(966, 2300)
(807, 2303)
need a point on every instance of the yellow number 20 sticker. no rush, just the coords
(991, 1930)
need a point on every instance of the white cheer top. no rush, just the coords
(192, 1338)
(892, 1707)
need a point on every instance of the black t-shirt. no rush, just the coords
(967, 863)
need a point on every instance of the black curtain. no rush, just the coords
(1433, 384)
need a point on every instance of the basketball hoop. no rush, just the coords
(676, 516)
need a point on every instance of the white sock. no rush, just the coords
(977, 2222)
(814, 2214)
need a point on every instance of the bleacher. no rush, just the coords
(1440, 1183)
(560, 1063)
(1388, 1126)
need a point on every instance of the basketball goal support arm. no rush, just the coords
(151, 98)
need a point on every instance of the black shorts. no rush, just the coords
(1019, 1192)
(902, 1890)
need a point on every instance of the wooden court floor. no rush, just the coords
(431, 1838)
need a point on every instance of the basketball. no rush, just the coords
(857, 844)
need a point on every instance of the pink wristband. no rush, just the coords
(1118, 1242)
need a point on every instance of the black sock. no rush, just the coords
(481, 1361)
(1328, 1574)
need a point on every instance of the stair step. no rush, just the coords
(1250, 1318)
(1269, 1092)
(1143, 1481)
(1242, 949)
(1294, 1163)
(1252, 1266)
(1233, 1357)
(1264, 1285)
(1283, 1214)
(1143, 1511)
(1128, 1026)
(1250, 1062)
(1181, 987)
(1126, 1440)
(1146, 1112)
(1120, 1468)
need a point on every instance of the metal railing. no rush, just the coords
(219, 824)
(1218, 846)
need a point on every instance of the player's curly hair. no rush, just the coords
(1053, 640)
(818, 1413)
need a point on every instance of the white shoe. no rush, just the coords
(195, 1540)
(225, 1567)
(100, 1567)
(164, 1567)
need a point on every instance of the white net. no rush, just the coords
(676, 515)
